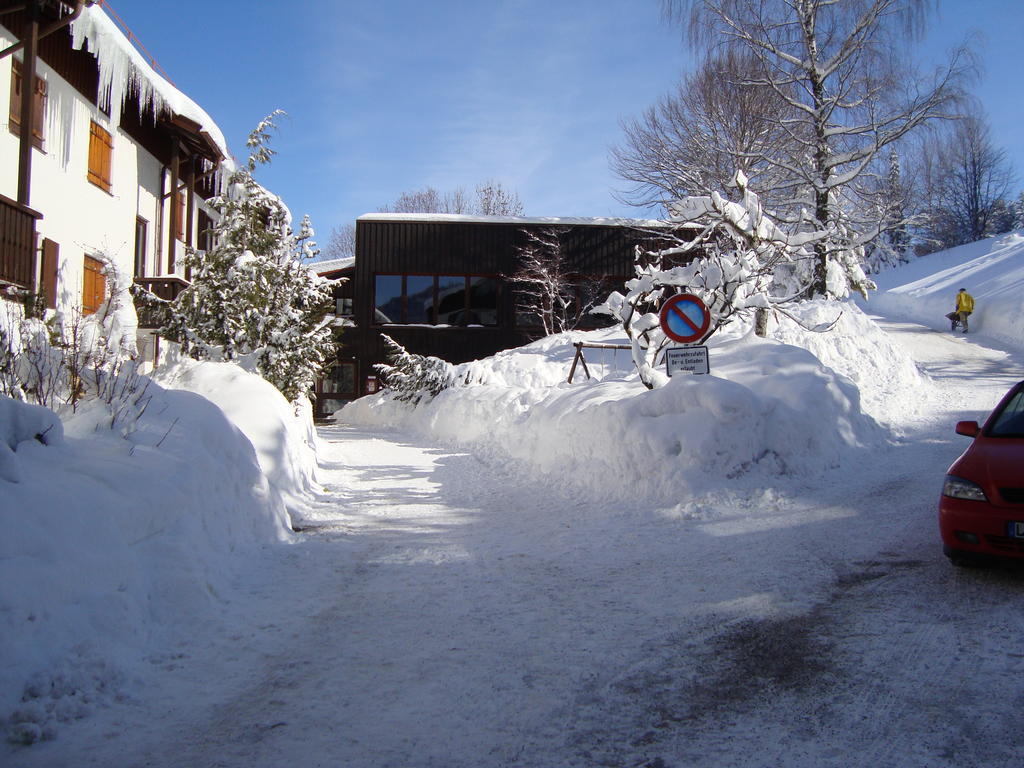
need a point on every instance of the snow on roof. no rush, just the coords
(331, 265)
(122, 67)
(549, 220)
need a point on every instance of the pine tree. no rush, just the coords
(251, 296)
(413, 377)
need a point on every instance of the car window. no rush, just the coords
(1010, 422)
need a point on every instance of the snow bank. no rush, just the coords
(992, 270)
(282, 434)
(767, 409)
(109, 543)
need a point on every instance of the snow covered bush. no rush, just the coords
(414, 377)
(66, 359)
(251, 296)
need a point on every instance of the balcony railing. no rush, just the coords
(17, 243)
(153, 314)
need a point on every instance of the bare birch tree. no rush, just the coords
(842, 68)
(695, 139)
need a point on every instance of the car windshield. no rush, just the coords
(1010, 421)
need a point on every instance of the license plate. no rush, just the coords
(1015, 530)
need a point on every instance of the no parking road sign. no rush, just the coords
(685, 318)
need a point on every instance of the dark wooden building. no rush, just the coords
(442, 285)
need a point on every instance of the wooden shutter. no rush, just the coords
(38, 106)
(179, 221)
(94, 285)
(101, 147)
(51, 259)
(141, 236)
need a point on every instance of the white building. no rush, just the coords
(121, 163)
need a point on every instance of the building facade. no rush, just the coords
(443, 285)
(121, 165)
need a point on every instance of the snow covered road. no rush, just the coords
(443, 611)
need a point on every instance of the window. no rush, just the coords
(141, 232)
(340, 381)
(419, 298)
(101, 147)
(387, 299)
(483, 301)
(94, 285)
(1010, 422)
(435, 299)
(204, 240)
(343, 307)
(38, 106)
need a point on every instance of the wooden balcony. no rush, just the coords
(17, 243)
(153, 315)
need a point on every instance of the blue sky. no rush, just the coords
(394, 95)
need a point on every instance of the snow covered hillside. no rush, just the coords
(992, 270)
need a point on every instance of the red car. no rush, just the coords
(981, 511)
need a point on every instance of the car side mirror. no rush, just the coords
(968, 428)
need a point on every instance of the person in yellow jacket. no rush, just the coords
(964, 307)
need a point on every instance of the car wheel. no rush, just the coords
(961, 559)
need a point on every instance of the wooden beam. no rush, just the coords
(172, 230)
(28, 93)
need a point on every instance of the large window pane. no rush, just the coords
(451, 299)
(341, 380)
(483, 301)
(419, 291)
(387, 299)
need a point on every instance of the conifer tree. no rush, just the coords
(251, 296)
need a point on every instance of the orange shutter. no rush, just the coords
(94, 285)
(101, 147)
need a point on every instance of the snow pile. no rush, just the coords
(992, 270)
(114, 539)
(20, 422)
(282, 433)
(767, 409)
(857, 349)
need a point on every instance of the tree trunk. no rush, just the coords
(761, 322)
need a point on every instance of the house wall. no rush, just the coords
(419, 245)
(82, 218)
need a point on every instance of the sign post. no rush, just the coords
(685, 319)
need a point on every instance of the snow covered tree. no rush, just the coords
(413, 377)
(695, 139)
(730, 255)
(251, 296)
(546, 288)
(892, 246)
(1018, 212)
(842, 68)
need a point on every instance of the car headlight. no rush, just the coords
(958, 488)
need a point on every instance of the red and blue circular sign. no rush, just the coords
(685, 318)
